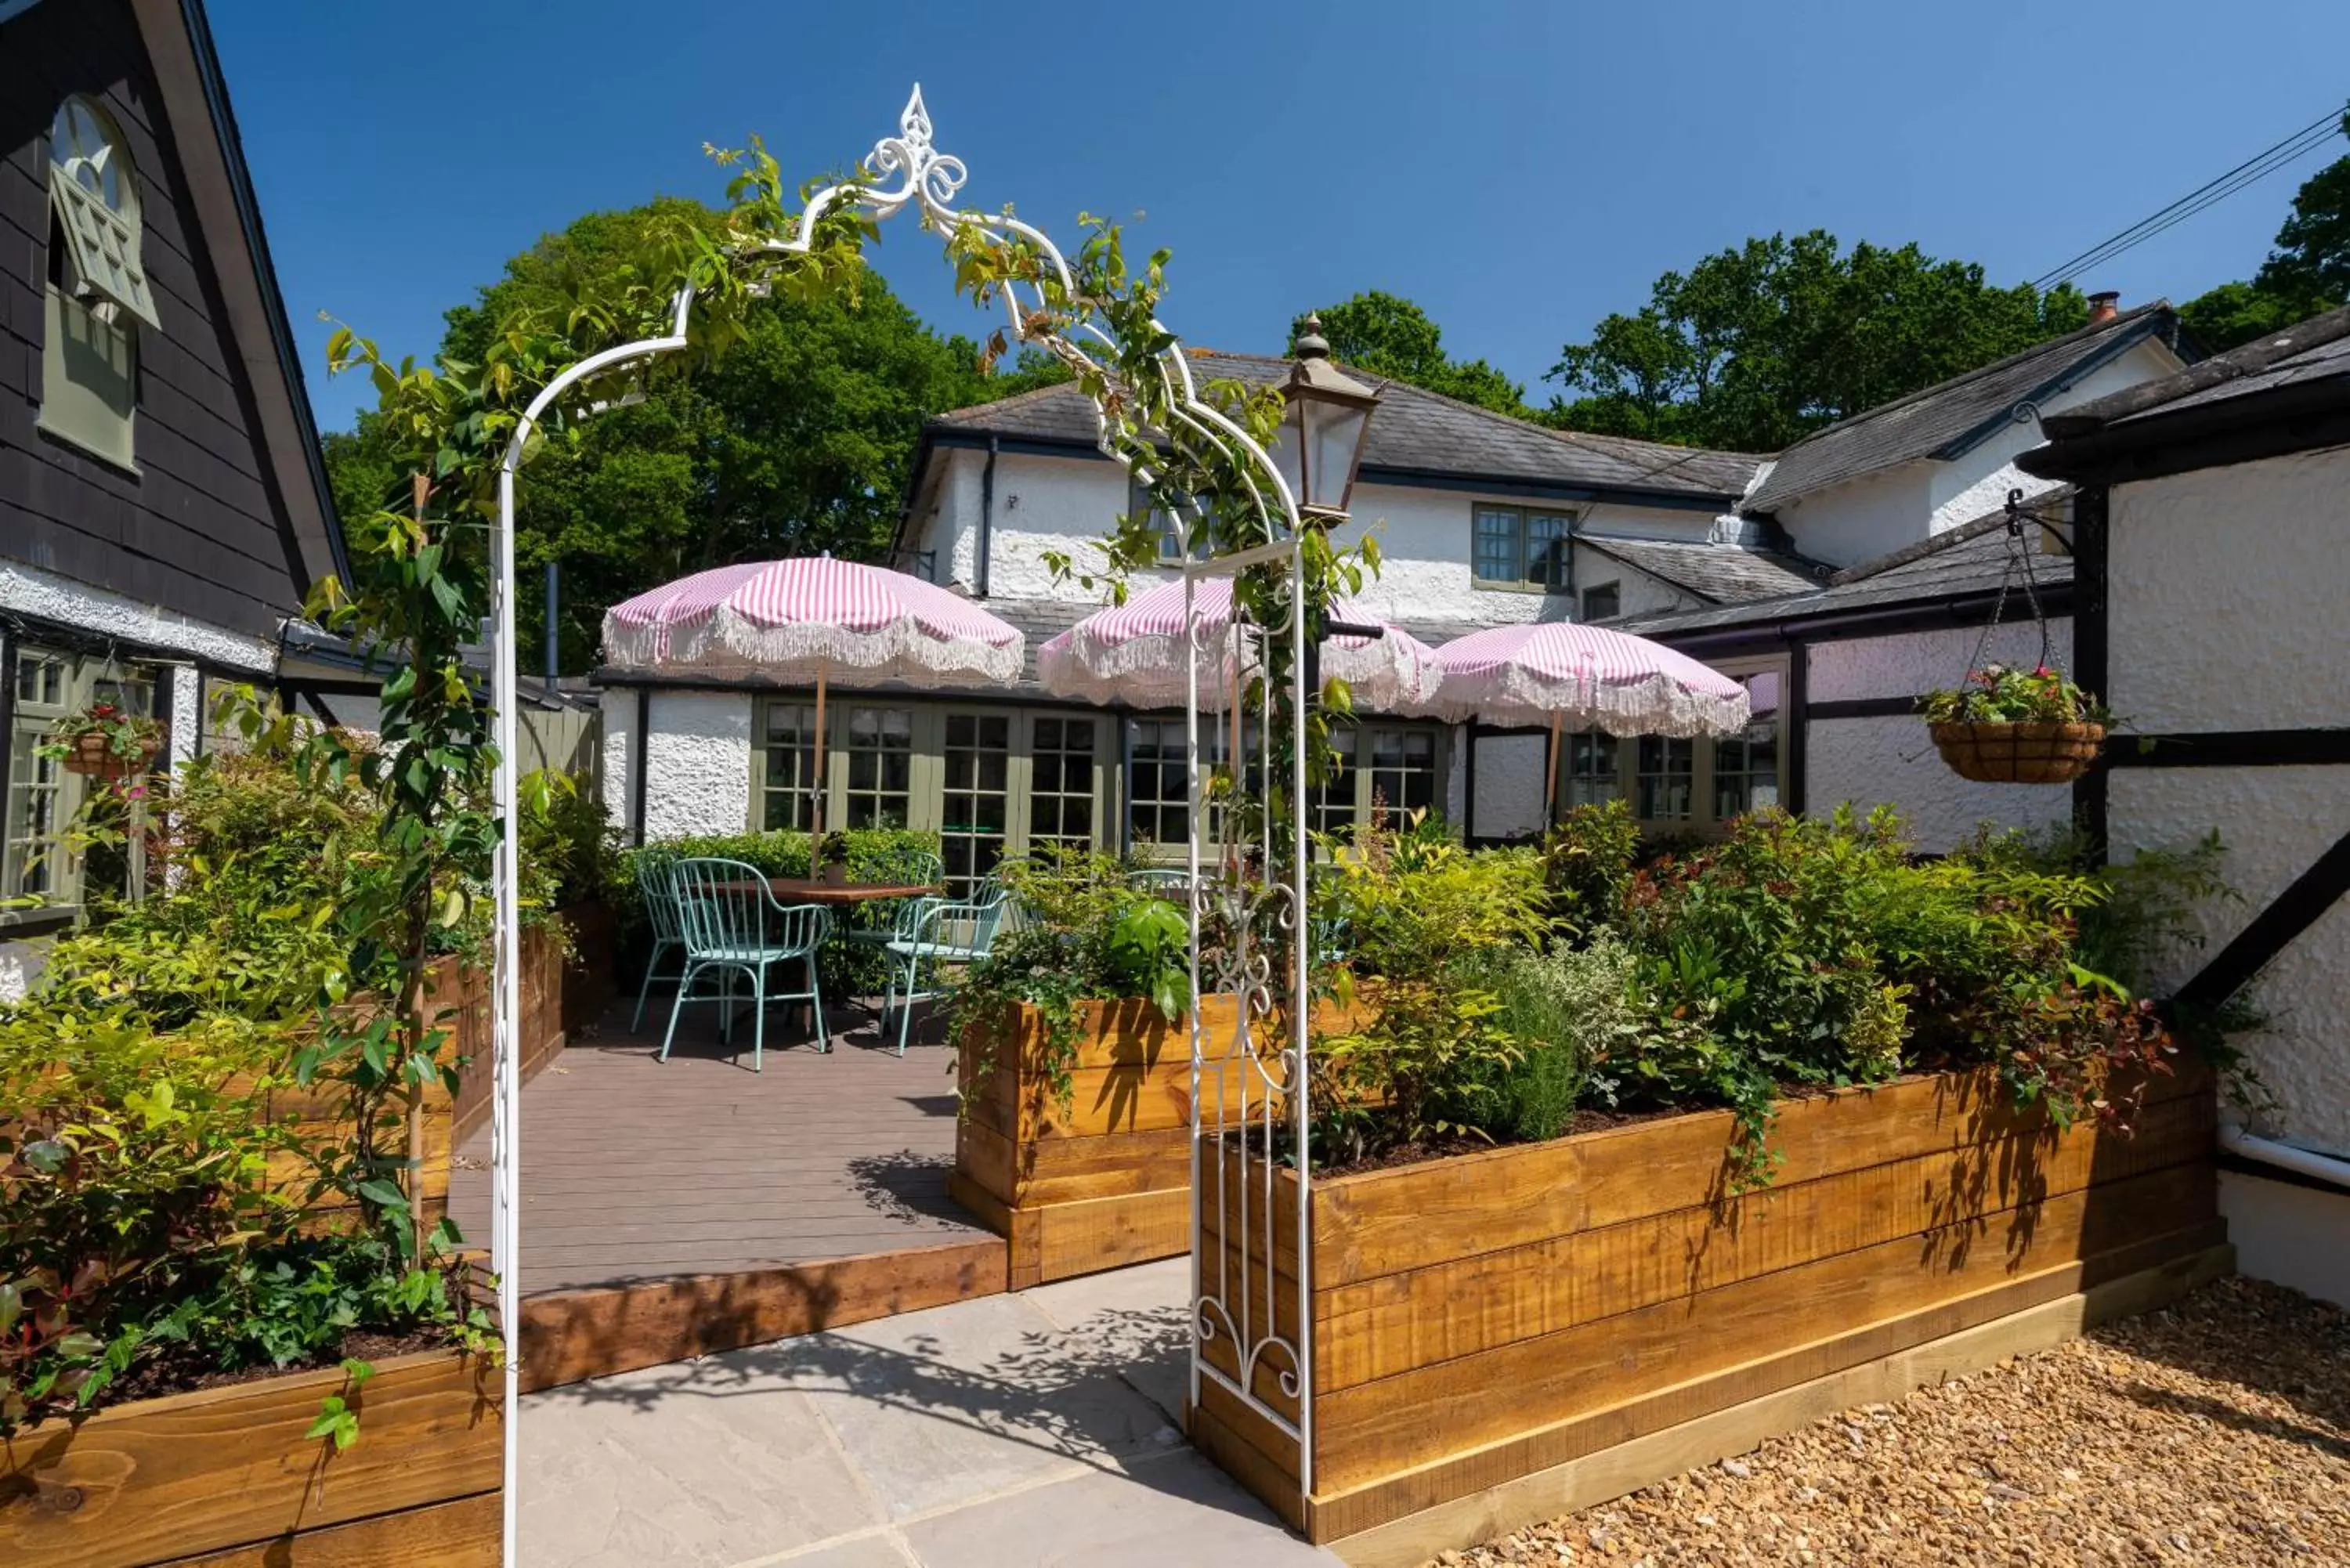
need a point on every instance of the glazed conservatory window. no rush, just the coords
(880, 754)
(975, 811)
(1159, 786)
(787, 786)
(1664, 779)
(33, 864)
(1517, 548)
(1061, 781)
(1746, 766)
(1591, 769)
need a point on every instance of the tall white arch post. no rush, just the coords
(903, 171)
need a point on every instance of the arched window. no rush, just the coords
(96, 194)
(97, 292)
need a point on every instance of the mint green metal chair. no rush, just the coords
(653, 866)
(884, 922)
(941, 935)
(732, 925)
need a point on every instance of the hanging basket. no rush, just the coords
(2019, 753)
(92, 758)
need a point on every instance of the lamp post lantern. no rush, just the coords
(1323, 426)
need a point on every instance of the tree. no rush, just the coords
(1759, 345)
(799, 441)
(2307, 272)
(1381, 334)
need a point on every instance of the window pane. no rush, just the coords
(788, 784)
(1666, 777)
(880, 757)
(1545, 549)
(1061, 781)
(1602, 601)
(1590, 765)
(1499, 556)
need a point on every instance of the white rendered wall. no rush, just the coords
(185, 714)
(2296, 1236)
(697, 762)
(1851, 523)
(1052, 503)
(1891, 761)
(2226, 590)
(1509, 797)
(28, 590)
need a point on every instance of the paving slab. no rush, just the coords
(1144, 1311)
(962, 1402)
(1030, 1429)
(1181, 1512)
(643, 1469)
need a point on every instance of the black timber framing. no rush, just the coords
(2317, 889)
(2092, 658)
(1863, 708)
(2271, 932)
(2231, 749)
(1799, 714)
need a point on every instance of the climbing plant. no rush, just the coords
(419, 585)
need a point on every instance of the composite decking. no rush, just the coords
(807, 1194)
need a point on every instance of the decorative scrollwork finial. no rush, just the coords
(928, 176)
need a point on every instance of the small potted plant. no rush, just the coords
(832, 860)
(104, 741)
(2007, 725)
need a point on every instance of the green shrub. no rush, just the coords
(1080, 929)
(1421, 924)
(1571, 1013)
(1587, 861)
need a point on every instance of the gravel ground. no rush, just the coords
(2215, 1432)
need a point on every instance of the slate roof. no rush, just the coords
(1946, 420)
(1970, 559)
(2311, 350)
(1416, 433)
(1720, 573)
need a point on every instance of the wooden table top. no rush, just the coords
(809, 890)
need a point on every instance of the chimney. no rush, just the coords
(2104, 305)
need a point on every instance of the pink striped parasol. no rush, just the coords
(1563, 674)
(1135, 653)
(808, 620)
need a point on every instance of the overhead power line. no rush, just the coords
(2258, 167)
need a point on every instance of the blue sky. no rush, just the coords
(1519, 170)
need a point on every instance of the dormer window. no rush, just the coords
(97, 292)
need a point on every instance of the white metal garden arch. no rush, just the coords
(1245, 1103)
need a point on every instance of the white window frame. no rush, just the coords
(94, 189)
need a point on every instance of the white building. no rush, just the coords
(2213, 525)
(1483, 520)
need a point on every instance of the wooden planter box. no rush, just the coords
(1106, 1184)
(557, 997)
(1509, 1335)
(226, 1475)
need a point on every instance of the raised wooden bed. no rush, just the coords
(557, 996)
(1106, 1183)
(1496, 1335)
(226, 1475)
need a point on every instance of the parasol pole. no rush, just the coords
(815, 828)
(1552, 812)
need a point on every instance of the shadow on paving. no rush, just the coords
(1055, 1391)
